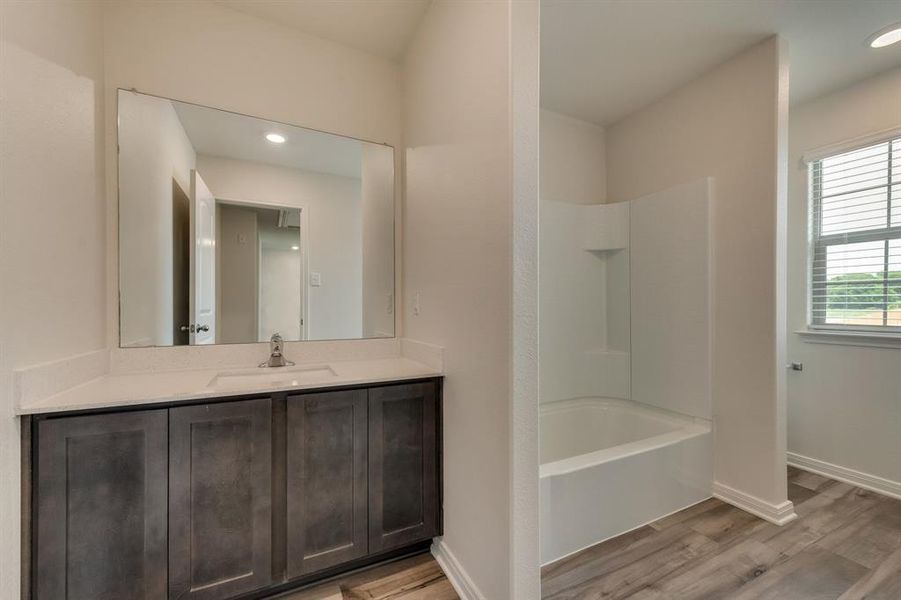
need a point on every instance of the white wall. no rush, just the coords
(843, 408)
(377, 197)
(153, 150)
(332, 207)
(725, 124)
(572, 301)
(669, 246)
(52, 261)
(208, 54)
(458, 260)
(280, 283)
(573, 166)
(574, 171)
(573, 283)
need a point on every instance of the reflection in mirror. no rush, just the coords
(234, 228)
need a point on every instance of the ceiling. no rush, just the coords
(603, 59)
(380, 27)
(219, 133)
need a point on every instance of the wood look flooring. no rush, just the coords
(845, 544)
(415, 578)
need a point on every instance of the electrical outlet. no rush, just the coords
(315, 279)
(417, 308)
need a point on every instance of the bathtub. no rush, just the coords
(609, 466)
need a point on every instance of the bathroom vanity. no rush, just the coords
(150, 471)
(231, 496)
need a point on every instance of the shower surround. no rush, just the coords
(626, 410)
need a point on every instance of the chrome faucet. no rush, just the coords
(276, 358)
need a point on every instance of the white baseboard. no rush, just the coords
(458, 577)
(778, 514)
(874, 483)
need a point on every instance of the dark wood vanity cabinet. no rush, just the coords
(220, 499)
(100, 507)
(234, 498)
(403, 475)
(326, 473)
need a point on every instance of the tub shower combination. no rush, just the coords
(609, 466)
(613, 464)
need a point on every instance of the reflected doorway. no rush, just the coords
(181, 264)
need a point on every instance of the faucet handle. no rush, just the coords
(275, 344)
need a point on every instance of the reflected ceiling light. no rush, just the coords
(295, 247)
(886, 37)
(275, 138)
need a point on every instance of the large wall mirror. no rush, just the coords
(233, 228)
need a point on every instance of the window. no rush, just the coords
(855, 225)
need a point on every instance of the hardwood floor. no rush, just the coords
(845, 544)
(415, 578)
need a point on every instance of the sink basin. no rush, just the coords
(273, 376)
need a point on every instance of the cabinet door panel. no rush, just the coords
(101, 507)
(220, 501)
(402, 465)
(326, 480)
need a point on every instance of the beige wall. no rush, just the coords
(573, 165)
(725, 125)
(52, 264)
(457, 258)
(237, 276)
(208, 54)
(525, 61)
(843, 408)
(377, 198)
(154, 151)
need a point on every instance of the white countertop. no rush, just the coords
(130, 389)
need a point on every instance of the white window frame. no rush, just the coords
(818, 244)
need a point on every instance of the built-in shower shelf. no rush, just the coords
(605, 227)
(594, 248)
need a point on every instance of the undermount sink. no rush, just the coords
(273, 376)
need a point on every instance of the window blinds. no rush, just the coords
(855, 224)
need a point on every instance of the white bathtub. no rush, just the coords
(609, 466)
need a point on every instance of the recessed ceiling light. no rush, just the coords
(295, 247)
(886, 37)
(275, 138)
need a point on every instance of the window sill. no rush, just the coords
(850, 338)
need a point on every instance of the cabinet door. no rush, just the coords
(220, 513)
(101, 507)
(326, 480)
(403, 482)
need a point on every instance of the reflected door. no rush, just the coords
(203, 262)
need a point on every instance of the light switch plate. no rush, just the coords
(315, 279)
